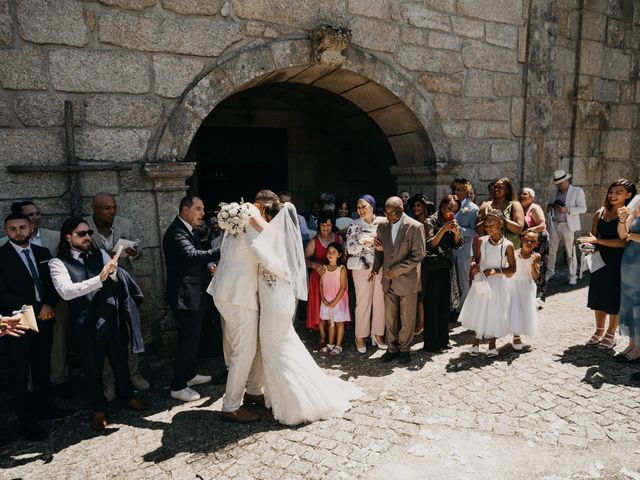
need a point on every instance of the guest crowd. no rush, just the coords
(399, 271)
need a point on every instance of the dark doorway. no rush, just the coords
(290, 136)
(235, 162)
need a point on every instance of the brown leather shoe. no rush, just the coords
(253, 399)
(137, 405)
(98, 421)
(241, 415)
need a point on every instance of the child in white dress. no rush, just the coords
(486, 309)
(522, 287)
(334, 306)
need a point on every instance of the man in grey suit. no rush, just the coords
(466, 217)
(108, 228)
(400, 247)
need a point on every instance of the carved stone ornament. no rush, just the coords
(328, 43)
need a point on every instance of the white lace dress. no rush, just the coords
(296, 388)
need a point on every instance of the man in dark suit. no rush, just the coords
(400, 247)
(188, 275)
(25, 280)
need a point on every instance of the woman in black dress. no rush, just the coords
(604, 283)
(443, 235)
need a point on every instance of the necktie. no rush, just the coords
(34, 274)
(83, 257)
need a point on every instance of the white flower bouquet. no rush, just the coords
(233, 217)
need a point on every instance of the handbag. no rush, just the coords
(481, 285)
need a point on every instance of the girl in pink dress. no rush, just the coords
(334, 298)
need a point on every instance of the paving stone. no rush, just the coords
(405, 411)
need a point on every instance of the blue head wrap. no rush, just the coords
(370, 200)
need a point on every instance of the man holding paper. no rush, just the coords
(25, 280)
(110, 231)
(100, 314)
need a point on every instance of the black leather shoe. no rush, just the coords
(626, 359)
(5, 439)
(404, 358)
(432, 349)
(63, 390)
(221, 379)
(54, 412)
(389, 356)
(32, 431)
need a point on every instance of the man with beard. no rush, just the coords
(109, 227)
(25, 280)
(88, 279)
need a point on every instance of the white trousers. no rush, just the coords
(560, 232)
(242, 354)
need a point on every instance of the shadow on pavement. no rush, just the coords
(202, 431)
(601, 368)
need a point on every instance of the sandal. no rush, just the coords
(595, 338)
(492, 353)
(337, 350)
(326, 348)
(474, 351)
(609, 341)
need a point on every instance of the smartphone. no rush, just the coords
(448, 216)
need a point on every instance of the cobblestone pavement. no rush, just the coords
(559, 410)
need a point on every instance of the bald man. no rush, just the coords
(400, 247)
(108, 227)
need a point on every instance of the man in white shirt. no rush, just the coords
(566, 204)
(79, 275)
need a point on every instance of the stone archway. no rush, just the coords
(401, 107)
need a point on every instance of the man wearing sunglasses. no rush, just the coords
(89, 280)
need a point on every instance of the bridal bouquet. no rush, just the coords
(233, 217)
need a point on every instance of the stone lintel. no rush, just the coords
(169, 177)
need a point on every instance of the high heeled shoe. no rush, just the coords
(363, 348)
(381, 346)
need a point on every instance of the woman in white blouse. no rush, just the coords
(369, 294)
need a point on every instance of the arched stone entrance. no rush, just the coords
(400, 107)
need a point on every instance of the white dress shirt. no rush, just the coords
(189, 227)
(394, 229)
(68, 289)
(36, 239)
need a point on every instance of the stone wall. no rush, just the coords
(498, 87)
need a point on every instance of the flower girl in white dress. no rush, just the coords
(522, 287)
(486, 309)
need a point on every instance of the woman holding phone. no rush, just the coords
(443, 236)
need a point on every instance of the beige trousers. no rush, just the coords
(401, 320)
(369, 304)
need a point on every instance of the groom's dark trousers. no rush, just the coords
(187, 280)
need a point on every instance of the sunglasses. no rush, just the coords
(83, 233)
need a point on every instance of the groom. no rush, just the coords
(235, 293)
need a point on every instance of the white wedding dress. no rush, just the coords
(296, 388)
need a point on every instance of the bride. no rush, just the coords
(296, 388)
